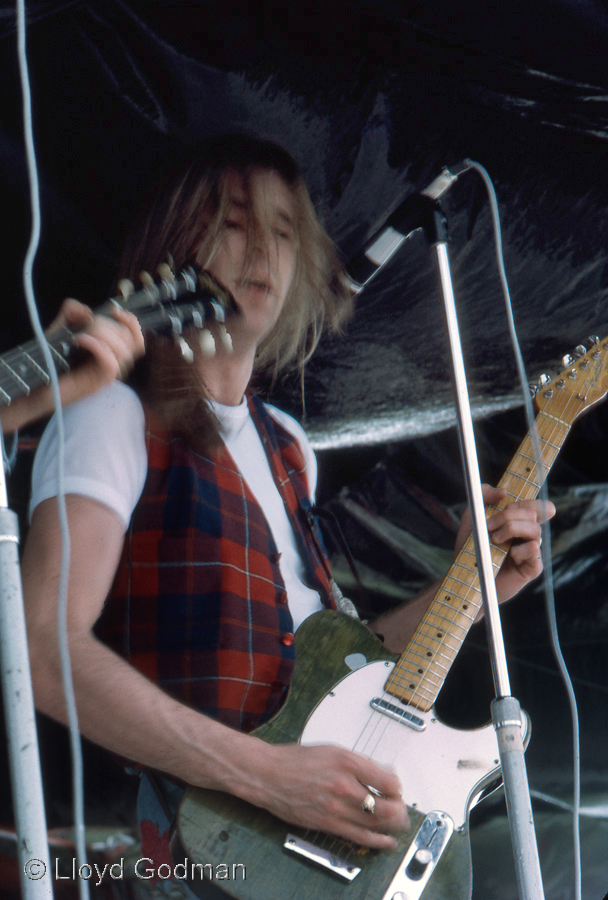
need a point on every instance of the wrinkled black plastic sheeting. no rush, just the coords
(372, 110)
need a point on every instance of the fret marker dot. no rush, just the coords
(412, 687)
(420, 671)
(465, 606)
(429, 653)
(439, 634)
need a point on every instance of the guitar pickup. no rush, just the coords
(395, 712)
(321, 857)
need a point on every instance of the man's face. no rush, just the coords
(257, 265)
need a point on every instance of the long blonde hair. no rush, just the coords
(185, 218)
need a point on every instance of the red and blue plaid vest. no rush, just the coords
(198, 604)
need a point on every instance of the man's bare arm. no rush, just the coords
(118, 708)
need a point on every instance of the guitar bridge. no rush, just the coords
(321, 857)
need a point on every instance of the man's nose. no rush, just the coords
(264, 248)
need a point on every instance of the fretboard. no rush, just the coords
(24, 368)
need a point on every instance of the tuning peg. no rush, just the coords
(146, 279)
(207, 342)
(218, 311)
(198, 319)
(580, 350)
(543, 380)
(184, 347)
(593, 339)
(225, 337)
(567, 360)
(125, 288)
(166, 273)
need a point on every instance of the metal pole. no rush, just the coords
(506, 712)
(24, 761)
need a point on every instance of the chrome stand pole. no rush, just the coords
(24, 760)
(506, 712)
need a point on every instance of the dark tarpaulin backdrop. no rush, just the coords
(372, 100)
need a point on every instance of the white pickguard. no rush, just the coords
(439, 767)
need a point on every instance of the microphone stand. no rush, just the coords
(26, 779)
(506, 711)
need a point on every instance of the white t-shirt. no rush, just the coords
(106, 460)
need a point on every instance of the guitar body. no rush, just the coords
(341, 667)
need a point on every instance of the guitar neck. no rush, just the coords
(24, 368)
(171, 304)
(421, 671)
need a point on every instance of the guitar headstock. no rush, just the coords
(583, 382)
(168, 304)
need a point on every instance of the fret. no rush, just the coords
(23, 386)
(413, 672)
(24, 368)
(58, 359)
(463, 604)
(420, 691)
(438, 629)
(20, 371)
(42, 374)
(443, 623)
(525, 473)
(547, 415)
(408, 677)
(459, 583)
(433, 651)
(418, 657)
(433, 641)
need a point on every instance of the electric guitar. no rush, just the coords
(168, 304)
(349, 690)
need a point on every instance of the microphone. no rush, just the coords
(411, 215)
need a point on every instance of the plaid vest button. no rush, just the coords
(288, 639)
